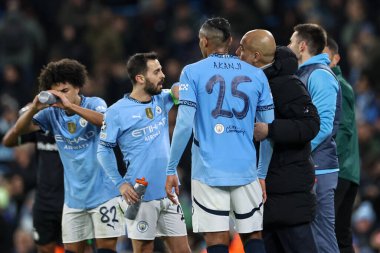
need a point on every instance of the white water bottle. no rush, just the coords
(140, 188)
(46, 97)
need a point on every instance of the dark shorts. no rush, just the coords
(47, 227)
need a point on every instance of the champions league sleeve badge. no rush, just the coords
(149, 113)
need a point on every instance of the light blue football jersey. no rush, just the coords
(226, 93)
(142, 132)
(86, 184)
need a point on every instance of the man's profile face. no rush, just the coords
(294, 45)
(243, 51)
(154, 78)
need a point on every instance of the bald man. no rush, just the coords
(290, 205)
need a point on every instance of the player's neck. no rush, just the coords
(217, 51)
(140, 95)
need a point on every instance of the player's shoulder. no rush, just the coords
(90, 101)
(121, 104)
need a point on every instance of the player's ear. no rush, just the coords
(140, 78)
(336, 59)
(229, 42)
(204, 41)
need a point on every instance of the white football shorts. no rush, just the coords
(157, 218)
(104, 221)
(214, 205)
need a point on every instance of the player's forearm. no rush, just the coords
(107, 160)
(10, 139)
(94, 117)
(24, 124)
(181, 135)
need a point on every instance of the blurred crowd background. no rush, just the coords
(102, 34)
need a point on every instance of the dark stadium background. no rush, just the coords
(102, 34)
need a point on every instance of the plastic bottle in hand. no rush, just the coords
(140, 188)
(46, 97)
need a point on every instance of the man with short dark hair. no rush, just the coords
(139, 124)
(308, 42)
(220, 98)
(348, 153)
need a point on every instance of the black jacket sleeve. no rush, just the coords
(296, 118)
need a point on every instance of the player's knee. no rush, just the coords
(143, 246)
(108, 243)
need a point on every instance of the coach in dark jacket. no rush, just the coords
(290, 205)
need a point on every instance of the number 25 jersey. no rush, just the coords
(226, 93)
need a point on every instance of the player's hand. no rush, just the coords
(261, 131)
(264, 189)
(63, 103)
(175, 90)
(36, 105)
(172, 181)
(129, 193)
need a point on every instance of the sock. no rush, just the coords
(105, 251)
(218, 248)
(254, 245)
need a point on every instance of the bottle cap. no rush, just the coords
(141, 181)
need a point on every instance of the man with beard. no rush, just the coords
(290, 206)
(308, 42)
(139, 124)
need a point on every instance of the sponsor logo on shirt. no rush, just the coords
(235, 129)
(150, 132)
(138, 116)
(77, 142)
(100, 108)
(183, 86)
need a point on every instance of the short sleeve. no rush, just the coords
(98, 105)
(187, 89)
(42, 119)
(110, 129)
(265, 101)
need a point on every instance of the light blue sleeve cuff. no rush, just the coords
(107, 159)
(181, 135)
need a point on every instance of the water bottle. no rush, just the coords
(46, 97)
(140, 188)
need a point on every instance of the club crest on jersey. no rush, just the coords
(72, 127)
(149, 112)
(158, 110)
(219, 128)
(82, 122)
